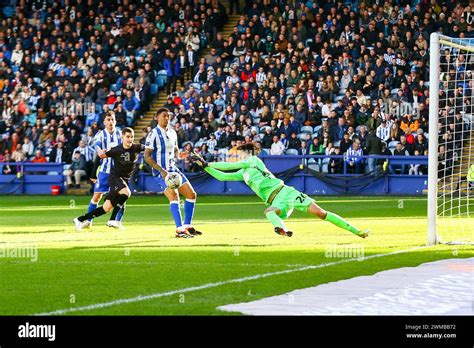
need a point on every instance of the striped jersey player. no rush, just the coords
(161, 150)
(105, 139)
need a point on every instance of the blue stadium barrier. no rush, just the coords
(32, 178)
(36, 178)
(378, 183)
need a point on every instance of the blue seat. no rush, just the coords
(292, 152)
(154, 89)
(306, 129)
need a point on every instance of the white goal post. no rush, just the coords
(451, 140)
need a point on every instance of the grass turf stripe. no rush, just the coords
(215, 284)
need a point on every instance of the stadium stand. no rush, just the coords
(334, 70)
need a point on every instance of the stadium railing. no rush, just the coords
(31, 178)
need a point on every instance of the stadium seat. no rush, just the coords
(266, 152)
(188, 142)
(325, 165)
(306, 129)
(264, 129)
(394, 91)
(255, 128)
(141, 52)
(312, 164)
(154, 89)
(392, 145)
(256, 120)
(292, 152)
(160, 82)
(302, 136)
(337, 143)
(37, 80)
(314, 135)
(317, 128)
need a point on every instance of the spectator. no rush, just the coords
(294, 142)
(415, 168)
(39, 158)
(131, 106)
(399, 151)
(335, 165)
(18, 155)
(354, 160)
(383, 131)
(373, 147)
(59, 154)
(192, 134)
(277, 147)
(76, 170)
(316, 148)
(28, 147)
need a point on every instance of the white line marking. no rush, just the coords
(213, 285)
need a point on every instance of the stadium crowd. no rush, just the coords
(309, 78)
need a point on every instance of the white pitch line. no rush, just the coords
(213, 285)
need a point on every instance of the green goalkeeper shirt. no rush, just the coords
(252, 171)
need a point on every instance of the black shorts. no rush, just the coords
(116, 184)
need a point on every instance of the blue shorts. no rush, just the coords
(161, 182)
(102, 183)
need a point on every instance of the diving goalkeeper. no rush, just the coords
(280, 198)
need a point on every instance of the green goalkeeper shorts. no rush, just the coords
(288, 199)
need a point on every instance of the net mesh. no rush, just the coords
(455, 213)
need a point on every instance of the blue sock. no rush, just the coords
(189, 211)
(92, 206)
(176, 212)
(120, 213)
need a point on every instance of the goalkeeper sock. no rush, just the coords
(275, 220)
(340, 222)
(189, 211)
(93, 214)
(92, 206)
(176, 212)
(119, 213)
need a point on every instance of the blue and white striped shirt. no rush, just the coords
(353, 156)
(383, 133)
(86, 151)
(163, 143)
(106, 140)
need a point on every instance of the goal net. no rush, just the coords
(451, 141)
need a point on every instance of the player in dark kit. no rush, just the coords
(124, 155)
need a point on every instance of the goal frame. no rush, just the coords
(433, 237)
(436, 39)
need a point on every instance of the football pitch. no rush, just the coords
(46, 267)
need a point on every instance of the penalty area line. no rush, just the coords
(216, 284)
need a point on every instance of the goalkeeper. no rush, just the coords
(280, 198)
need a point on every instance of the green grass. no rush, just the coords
(80, 269)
